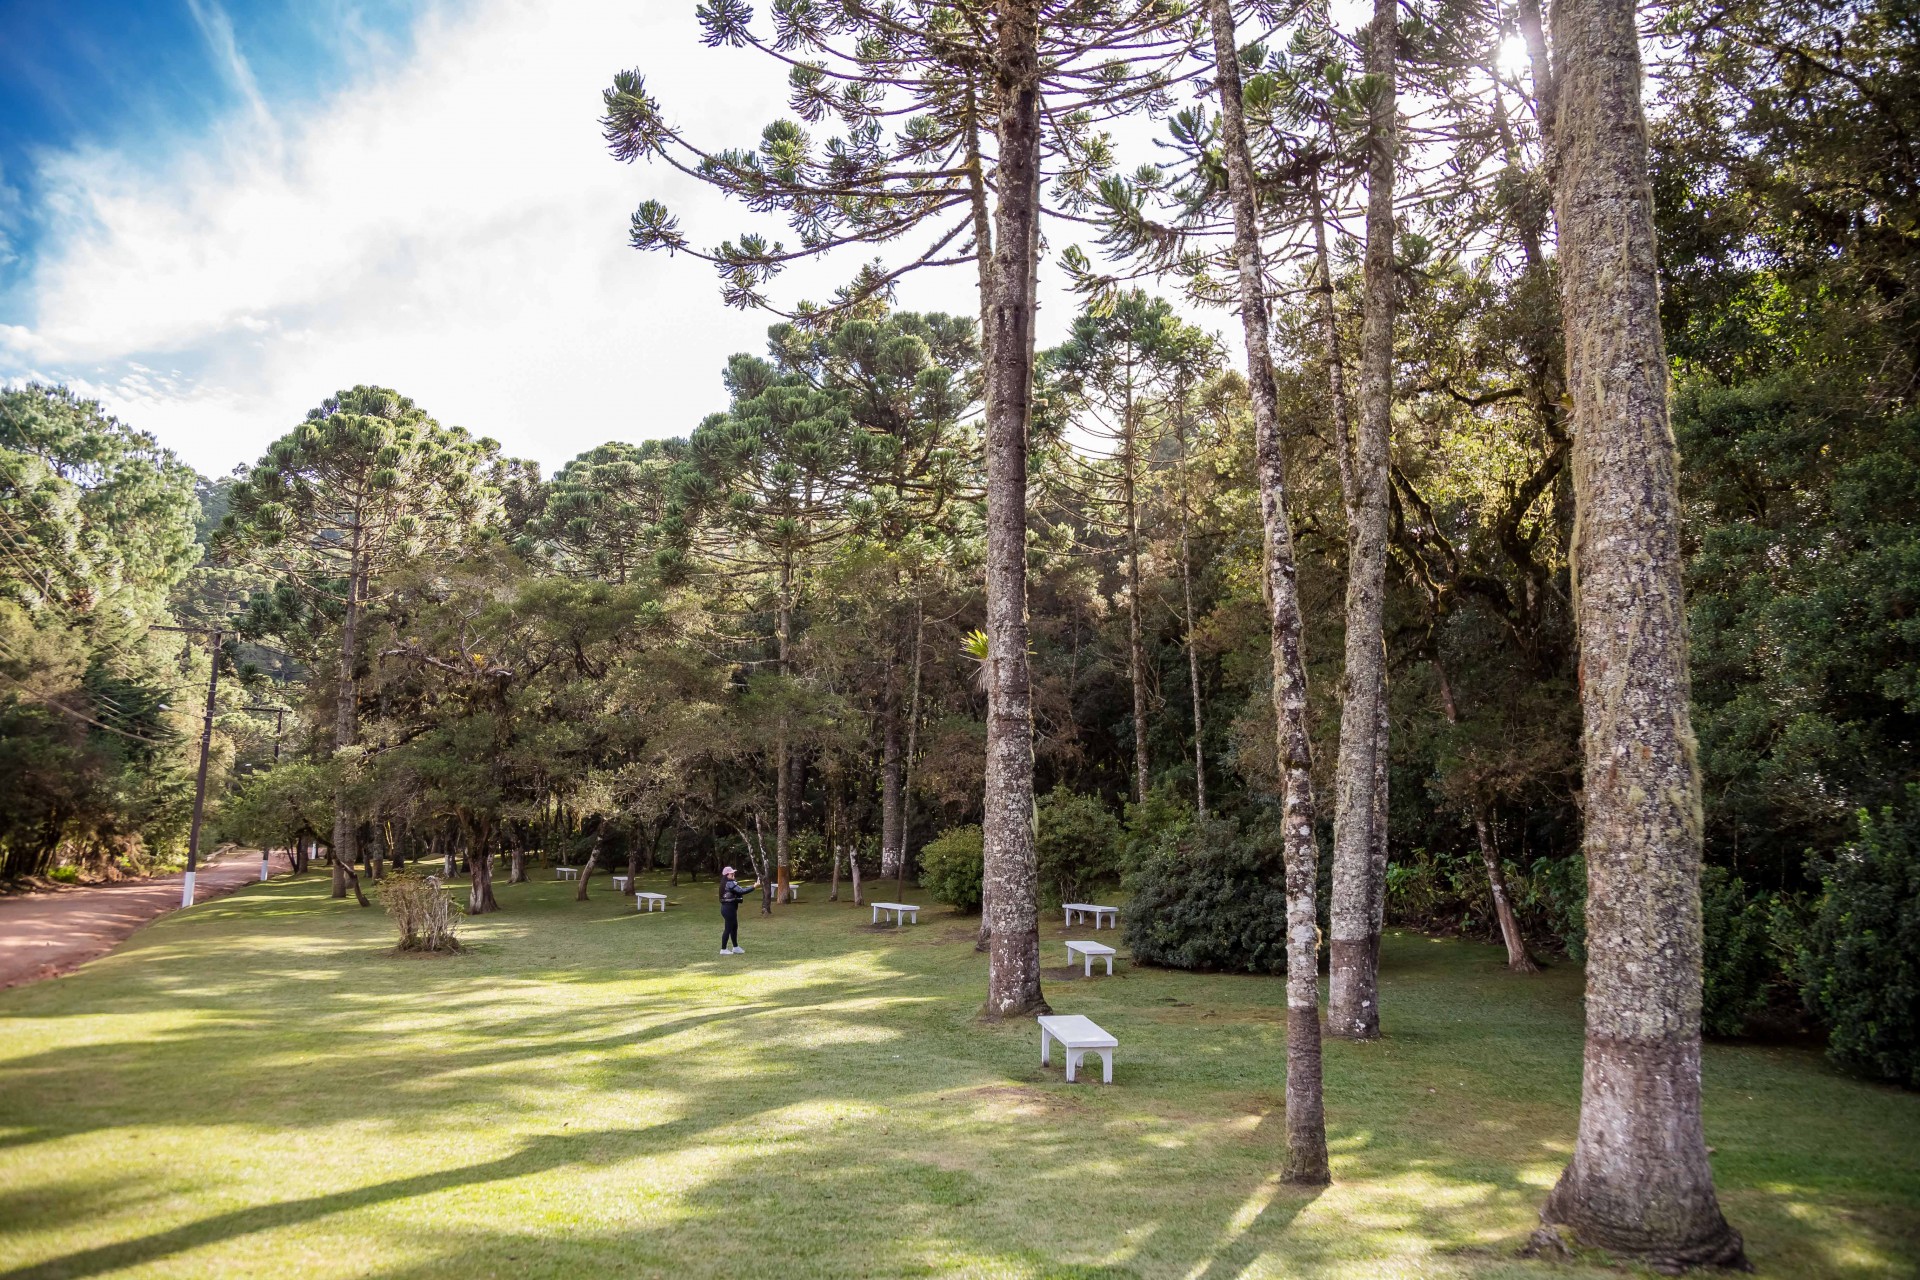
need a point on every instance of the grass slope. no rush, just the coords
(258, 1087)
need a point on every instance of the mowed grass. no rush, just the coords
(260, 1087)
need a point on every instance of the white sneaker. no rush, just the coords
(739, 951)
(726, 951)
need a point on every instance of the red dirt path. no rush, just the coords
(43, 935)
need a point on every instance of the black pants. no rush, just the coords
(729, 925)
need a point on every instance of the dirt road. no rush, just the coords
(43, 935)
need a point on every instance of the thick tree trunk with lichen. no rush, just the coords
(1306, 1159)
(1359, 832)
(1639, 1183)
(1010, 874)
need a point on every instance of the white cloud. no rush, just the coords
(450, 226)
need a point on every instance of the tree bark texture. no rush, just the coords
(346, 718)
(1639, 1183)
(782, 790)
(1306, 1159)
(891, 767)
(1136, 650)
(480, 898)
(592, 863)
(1518, 958)
(1359, 835)
(1193, 678)
(913, 743)
(1010, 873)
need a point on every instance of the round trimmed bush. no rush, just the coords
(952, 866)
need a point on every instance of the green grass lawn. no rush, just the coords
(259, 1087)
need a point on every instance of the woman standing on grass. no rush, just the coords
(730, 894)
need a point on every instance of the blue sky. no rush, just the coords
(141, 76)
(217, 212)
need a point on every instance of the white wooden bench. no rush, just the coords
(899, 910)
(1078, 1036)
(1088, 950)
(793, 891)
(650, 901)
(1088, 909)
(566, 873)
(622, 883)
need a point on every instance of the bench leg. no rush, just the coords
(1089, 965)
(1045, 1058)
(1073, 1062)
(1106, 1066)
(1109, 966)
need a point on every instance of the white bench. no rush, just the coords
(1088, 950)
(650, 901)
(899, 910)
(622, 883)
(566, 873)
(793, 891)
(1086, 909)
(1078, 1036)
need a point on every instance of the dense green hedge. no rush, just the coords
(1209, 896)
(1860, 961)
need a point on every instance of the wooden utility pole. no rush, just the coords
(279, 727)
(206, 747)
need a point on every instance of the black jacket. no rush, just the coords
(731, 893)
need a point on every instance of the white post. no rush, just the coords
(186, 890)
(263, 865)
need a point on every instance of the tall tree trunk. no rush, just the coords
(674, 882)
(1359, 834)
(1639, 1183)
(593, 861)
(782, 791)
(517, 857)
(1518, 958)
(480, 900)
(346, 718)
(1193, 658)
(1136, 651)
(1306, 1160)
(891, 749)
(1010, 875)
(913, 745)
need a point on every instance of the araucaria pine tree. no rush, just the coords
(1639, 1182)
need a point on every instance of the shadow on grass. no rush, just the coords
(535, 1156)
(837, 1093)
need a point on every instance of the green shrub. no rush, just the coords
(1551, 899)
(1077, 846)
(1164, 808)
(808, 857)
(1211, 897)
(64, 875)
(952, 865)
(1738, 964)
(1860, 961)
